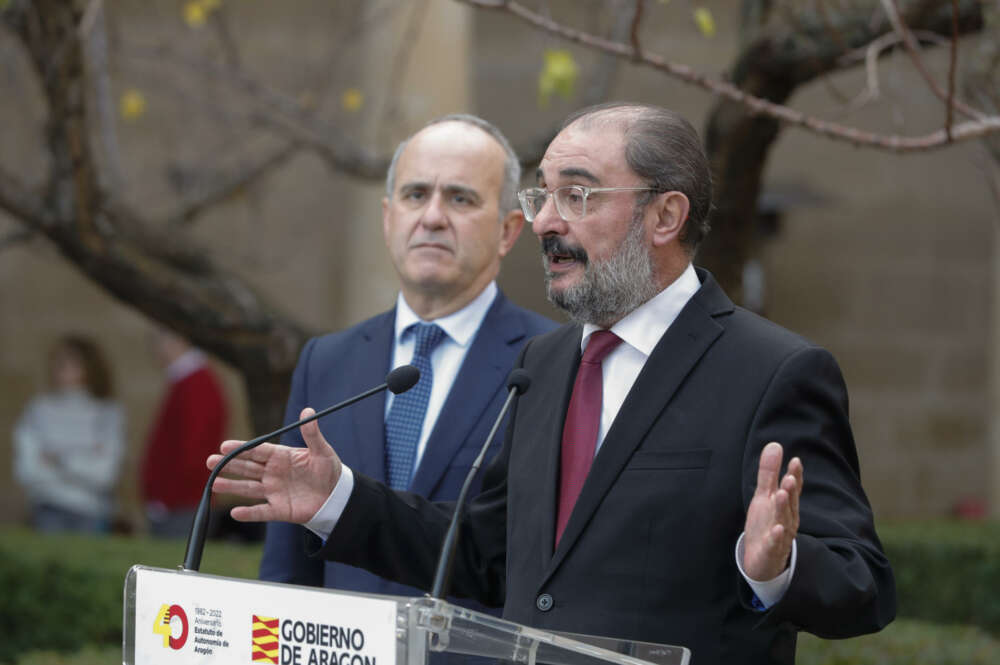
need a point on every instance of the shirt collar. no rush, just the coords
(186, 364)
(460, 326)
(644, 326)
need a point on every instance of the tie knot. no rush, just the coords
(600, 345)
(428, 336)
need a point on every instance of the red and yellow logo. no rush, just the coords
(165, 624)
(265, 640)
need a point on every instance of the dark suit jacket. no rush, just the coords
(648, 552)
(336, 366)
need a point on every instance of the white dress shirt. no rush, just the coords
(640, 331)
(446, 359)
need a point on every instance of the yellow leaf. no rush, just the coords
(195, 14)
(558, 76)
(352, 100)
(705, 21)
(211, 5)
(132, 104)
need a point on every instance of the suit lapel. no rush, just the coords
(369, 366)
(482, 374)
(673, 358)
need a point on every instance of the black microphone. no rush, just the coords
(398, 381)
(517, 383)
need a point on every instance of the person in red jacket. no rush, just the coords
(191, 422)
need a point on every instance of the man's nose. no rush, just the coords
(434, 215)
(547, 220)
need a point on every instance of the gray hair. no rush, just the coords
(663, 149)
(511, 167)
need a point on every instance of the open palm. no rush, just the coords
(773, 516)
(291, 483)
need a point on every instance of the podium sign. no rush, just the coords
(177, 617)
(185, 619)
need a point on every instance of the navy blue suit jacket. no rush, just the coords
(336, 366)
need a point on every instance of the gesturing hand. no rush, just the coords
(773, 516)
(292, 482)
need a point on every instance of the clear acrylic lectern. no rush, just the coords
(179, 617)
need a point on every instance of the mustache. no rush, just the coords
(556, 245)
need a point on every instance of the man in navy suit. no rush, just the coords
(449, 216)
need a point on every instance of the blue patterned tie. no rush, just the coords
(406, 415)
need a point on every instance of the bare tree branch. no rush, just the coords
(93, 34)
(221, 187)
(634, 33)
(151, 269)
(279, 111)
(15, 238)
(229, 184)
(754, 104)
(604, 72)
(390, 107)
(220, 25)
(20, 202)
(891, 8)
(831, 28)
(952, 63)
(286, 115)
(871, 55)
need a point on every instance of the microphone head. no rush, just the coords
(402, 378)
(519, 380)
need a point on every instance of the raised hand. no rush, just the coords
(773, 516)
(292, 483)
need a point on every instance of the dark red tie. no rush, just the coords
(583, 419)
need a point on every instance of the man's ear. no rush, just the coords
(671, 210)
(510, 229)
(385, 218)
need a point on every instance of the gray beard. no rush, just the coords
(610, 289)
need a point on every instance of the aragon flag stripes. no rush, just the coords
(265, 640)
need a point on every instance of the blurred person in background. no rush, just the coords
(192, 420)
(69, 442)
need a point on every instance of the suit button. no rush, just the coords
(544, 602)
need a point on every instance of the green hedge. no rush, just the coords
(947, 572)
(60, 593)
(64, 592)
(904, 642)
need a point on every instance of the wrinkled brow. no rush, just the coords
(571, 172)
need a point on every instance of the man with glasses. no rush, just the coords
(449, 216)
(640, 492)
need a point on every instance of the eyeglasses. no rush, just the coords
(571, 200)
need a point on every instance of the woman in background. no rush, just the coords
(69, 442)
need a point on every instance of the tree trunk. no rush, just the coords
(773, 66)
(153, 270)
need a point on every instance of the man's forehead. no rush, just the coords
(452, 153)
(584, 153)
(457, 138)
